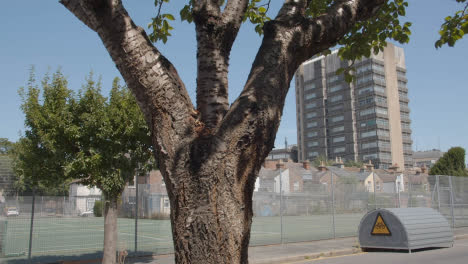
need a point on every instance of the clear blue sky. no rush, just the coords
(45, 34)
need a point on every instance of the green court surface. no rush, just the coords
(54, 236)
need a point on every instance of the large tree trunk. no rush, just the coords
(211, 211)
(110, 230)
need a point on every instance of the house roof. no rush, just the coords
(295, 170)
(429, 154)
(349, 172)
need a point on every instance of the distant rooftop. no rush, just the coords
(433, 153)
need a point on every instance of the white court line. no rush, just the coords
(265, 233)
(133, 234)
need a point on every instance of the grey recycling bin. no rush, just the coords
(404, 228)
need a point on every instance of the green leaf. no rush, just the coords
(168, 16)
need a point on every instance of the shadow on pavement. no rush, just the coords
(88, 258)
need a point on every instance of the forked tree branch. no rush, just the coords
(234, 12)
(289, 40)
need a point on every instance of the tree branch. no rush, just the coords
(216, 33)
(234, 12)
(153, 80)
(326, 30)
(292, 9)
(289, 40)
(206, 7)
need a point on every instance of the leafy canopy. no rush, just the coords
(100, 141)
(454, 27)
(364, 37)
(451, 163)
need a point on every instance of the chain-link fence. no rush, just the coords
(65, 228)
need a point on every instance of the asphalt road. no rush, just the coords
(456, 255)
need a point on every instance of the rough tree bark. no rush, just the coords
(210, 157)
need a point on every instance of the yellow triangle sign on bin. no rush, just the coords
(380, 228)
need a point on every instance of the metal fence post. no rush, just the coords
(451, 202)
(410, 191)
(136, 214)
(438, 192)
(333, 205)
(281, 205)
(32, 224)
(375, 196)
(398, 194)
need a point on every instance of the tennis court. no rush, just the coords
(68, 236)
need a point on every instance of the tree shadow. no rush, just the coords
(88, 258)
(405, 251)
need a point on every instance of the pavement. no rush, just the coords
(291, 252)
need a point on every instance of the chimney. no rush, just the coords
(370, 166)
(363, 168)
(306, 164)
(280, 165)
(322, 166)
(424, 169)
(394, 168)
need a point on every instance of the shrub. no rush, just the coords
(97, 209)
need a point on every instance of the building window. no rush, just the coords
(335, 88)
(336, 107)
(166, 202)
(401, 84)
(313, 154)
(401, 74)
(377, 186)
(312, 134)
(379, 78)
(312, 124)
(378, 67)
(368, 134)
(379, 88)
(338, 139)
(309, 86)
(365, 101)
(310, 96)
(404, 115)
(333, 78)
(363, 68)
(369, 156)
(367, 111)
(380, 99)
(384, 144)
(311, 115)
(365, 90)
(310, 105)
(381, 111)
(338, 129)
(312, 143)
(339, 150)
(336, 98)
(368, 123)
(337, 118)
(369, 145)
(382, 122)
(384, 133)
(364, 79)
